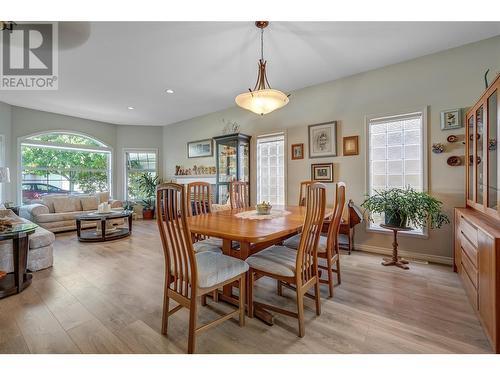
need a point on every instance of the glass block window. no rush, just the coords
(396, 150)
(271, 169)
(138, 162)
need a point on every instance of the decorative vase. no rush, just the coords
(148, 214)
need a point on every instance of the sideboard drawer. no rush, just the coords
(468, 230)
(469, 249)
(469, 269)
(470, 290)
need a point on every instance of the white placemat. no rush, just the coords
(253, 215)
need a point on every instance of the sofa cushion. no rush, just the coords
(48, 200)
(59, 216)
(102, 196)
(89, 203)
(67, 204)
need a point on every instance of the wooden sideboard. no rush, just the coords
(477, 260)
(477, 227)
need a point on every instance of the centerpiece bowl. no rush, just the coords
(263, 208)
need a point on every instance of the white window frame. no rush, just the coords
(370, 227)
(125, 169)
(285, 163)
(25, 140)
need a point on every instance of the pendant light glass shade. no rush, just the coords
(262, 101)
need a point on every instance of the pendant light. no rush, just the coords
(262, 99)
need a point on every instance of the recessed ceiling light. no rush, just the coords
(169, 91)
(129, 107)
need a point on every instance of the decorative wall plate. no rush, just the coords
(452, 138)
(454, 161)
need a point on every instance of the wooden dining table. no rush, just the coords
(252, 235)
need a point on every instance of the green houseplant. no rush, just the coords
(403, 207)
(147, 185)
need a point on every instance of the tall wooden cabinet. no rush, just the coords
(232, 161)
(477, 226)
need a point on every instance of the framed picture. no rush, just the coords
(350, 145)
(323, 140)
(451, 119)
(297, 151)
(200, 149)
(322, 172)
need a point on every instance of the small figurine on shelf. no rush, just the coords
(437, 148)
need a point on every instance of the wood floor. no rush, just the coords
(107, 298)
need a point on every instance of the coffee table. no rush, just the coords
(103, 232)
(17, 281)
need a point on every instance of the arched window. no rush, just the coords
(63, 163)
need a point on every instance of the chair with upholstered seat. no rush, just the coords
(328, 247)
(199, 202)
(303, 191)
(296, 268)
(190, 275)
(239, 194)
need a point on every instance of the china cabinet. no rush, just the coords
(477, 226)
(232, 161)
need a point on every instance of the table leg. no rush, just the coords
(103, 229)
(395, 260)
(130, 223)
(20, 252)
(78, 228)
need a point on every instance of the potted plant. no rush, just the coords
(147, 185)
(404, 207)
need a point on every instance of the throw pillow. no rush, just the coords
(64, 205)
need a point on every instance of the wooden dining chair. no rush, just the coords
(239, 195)
(296, 268)
(199, 202)
(190, 275)
(303, 192)
(328, 247)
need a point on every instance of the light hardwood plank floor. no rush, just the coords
(107, 298)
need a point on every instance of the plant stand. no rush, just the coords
(395, 260)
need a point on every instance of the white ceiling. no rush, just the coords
(104, 67)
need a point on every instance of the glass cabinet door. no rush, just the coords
(470, 132)
(480, 159)
(493, 155)
(227, 161)
(244, 162)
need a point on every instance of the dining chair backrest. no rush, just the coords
(238, 193)
(199, 198)
(333, 229)
(303, 192)
(307, 259)
(180, 261)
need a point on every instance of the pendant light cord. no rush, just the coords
(262, 44)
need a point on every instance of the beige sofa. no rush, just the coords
(40, 254)
(57, 212)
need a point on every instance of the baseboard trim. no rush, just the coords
(407, 254)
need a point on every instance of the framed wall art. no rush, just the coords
(322, 172)
(323, 140)
(200, 149)
(297, 151)
(350, 145)
(451, 119)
